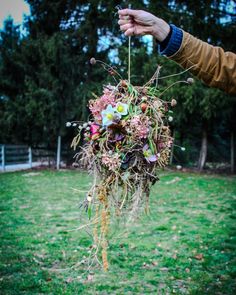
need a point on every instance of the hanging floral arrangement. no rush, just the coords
(125, 142)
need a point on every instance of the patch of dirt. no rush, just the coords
(29, 174)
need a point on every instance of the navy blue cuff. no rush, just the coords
(174, 43)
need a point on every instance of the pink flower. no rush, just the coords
(165, 144)
(140, 126)
(98, 105)
(94, 128)
(112, 161)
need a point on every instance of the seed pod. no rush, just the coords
(143, 107)
(123, 83)
(89, 199)
(92, 61)
(173, 103)
(190, 81)
(144, 91)
(144, 98)
(111, 72)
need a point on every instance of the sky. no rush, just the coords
(15, 8)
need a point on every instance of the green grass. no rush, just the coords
(185, 246)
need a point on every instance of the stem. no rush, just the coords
(173, 85)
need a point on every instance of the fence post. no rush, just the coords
(30, 157)
(3, 157)
(58, 152)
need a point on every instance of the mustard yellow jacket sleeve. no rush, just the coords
(211, 64)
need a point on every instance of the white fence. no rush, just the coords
(15, 155)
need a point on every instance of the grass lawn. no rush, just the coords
(185, 246)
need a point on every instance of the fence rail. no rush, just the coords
(16, 157)
(15, 154)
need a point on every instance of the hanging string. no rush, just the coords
(129, 59)
(129, 54)
(118, 7)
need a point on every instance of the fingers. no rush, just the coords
(122, 22)
(126, 27)
(130, 32)
(127, 12)
(125, 17)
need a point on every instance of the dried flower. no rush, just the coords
(139, 126)
(112, 161)
(100, 104)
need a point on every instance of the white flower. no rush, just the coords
(121, 108)
(170, 118)
(109, 115)
(68, 124)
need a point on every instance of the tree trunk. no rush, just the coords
(203, 151)
(172, 149)
(232, 152)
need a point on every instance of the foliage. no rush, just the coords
(46, 79)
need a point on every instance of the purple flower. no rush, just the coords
(149, 156)
(118, 137)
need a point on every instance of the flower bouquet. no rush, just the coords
(126, 141)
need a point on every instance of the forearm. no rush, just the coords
(211, 64)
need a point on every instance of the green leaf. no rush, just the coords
(152, 145)
(89, 211)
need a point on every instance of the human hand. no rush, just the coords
(139, 22)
